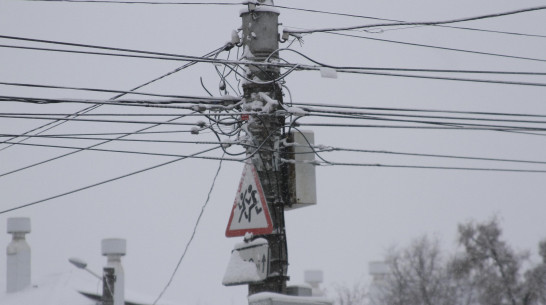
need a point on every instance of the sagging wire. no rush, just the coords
(223, 78)
(203, 85)
(282, 76)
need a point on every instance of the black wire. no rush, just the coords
(69, 137)
(364, 68)
(285, 7)
(88, 109)
(407, 127)
(203, 85)
(347, 28)
(394, 20)
(107, 91)
(76, 151)
(110, 133)
(101, 183)
(502, 127)
(131, 152)
(438, 167)
(139, 2)
(159, 55)
(181, 57)
(311, 110)
(472, 80)
(48, 126)
(421, 110)
(421, 155)
(190, 105)
(331, 149)
(438, 48)
(119, 114)
(97, 120)
(414, 69)
(175, 58)
(198, 220)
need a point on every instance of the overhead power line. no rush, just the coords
(484, 169)
(50, 116)
(459, 79)
(51, 125)
(100, 133)
(72, 152)
(155, 141)
(432, 122)
(332, 114)
(93, 53)
(108, 91)
(458, 71)
(290, 66)
(421, 110)
(120, 136)
(140, 2)
(412, 127)
(367, 68)
(157, 123)
(327, 149)
(409, 69)
(188, 244)
(102, 182)
(198, 105)
(394, 20)
(83, 45)
(439, 47)
(284, 7)
(129, 152)
(470, 118)
(367, 26)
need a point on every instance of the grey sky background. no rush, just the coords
(361, 211)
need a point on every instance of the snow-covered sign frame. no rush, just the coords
(249, 263)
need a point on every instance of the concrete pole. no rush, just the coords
(18, 255)
(114, 249)
(260, 39)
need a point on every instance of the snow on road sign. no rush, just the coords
(249, 263)
(250, 213)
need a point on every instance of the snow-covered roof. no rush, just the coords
(56, 289)
(70, 288)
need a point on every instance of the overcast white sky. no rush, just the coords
(361, 211)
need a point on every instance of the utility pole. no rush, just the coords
(260, 38)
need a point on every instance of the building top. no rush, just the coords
(113, 246)
(18, 225)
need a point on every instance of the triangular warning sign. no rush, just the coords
(250, 213)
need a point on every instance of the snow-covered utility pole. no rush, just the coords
(18, 255)
(262, 94)
(113, 275)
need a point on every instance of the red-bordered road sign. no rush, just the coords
(250, 213)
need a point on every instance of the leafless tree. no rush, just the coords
(418, 276)
(351, 295)
(486, 272)
(494, 269)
